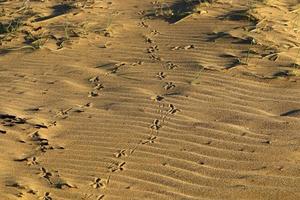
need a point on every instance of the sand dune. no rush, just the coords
(149, 99)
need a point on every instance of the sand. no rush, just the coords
(143, 99)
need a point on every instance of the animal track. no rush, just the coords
(95, 81)
(97, 183)
(46, 174)
(42, 142)
(120, 153)
(29, 160)
(169, 85)
(155, 57)
(155, 32)
(63, 113)
(137, 63)
(183, 47)
(150, 140)
(172, 109)
(153, 49)
(141, 12)
(47, 196)
(158, 98)
(93, 94)
(143, 24)
(100, 197)
(32, 161)
(171, 65)
(54, 179)
(149, 40)
(21, 187)
(116, 68)
(155, 125)
(117, 167)
(161, 75)
(98, 86)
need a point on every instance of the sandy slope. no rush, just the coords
(135, 107)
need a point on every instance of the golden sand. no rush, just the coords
(144, 99)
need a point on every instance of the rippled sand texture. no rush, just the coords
(141, 99)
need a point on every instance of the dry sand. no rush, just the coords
(143, 99)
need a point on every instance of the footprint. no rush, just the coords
(94, 79)
(20, 187)
(63, 114)
(93, 94)
(158, 98)
(143, 24)
(29, 160)
(161, 75)
(120, 153)
(137, 63)
(42, 142)
(141, 12)
(35, 136)
(155, 32)
(98, 86)
(172, 109)
(46, 174)
(169, 85)
(32, 161)
(155, 125)
(150, 140)
(149, 40)
(188, 47)
(183, 48)
(47, 196)
(153, 49)
(155, 57)
(117, 167)
(97, 183)
(100, 197)
(171, 65)
(175, 48)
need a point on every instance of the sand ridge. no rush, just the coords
(149, 100)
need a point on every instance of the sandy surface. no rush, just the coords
(141, 99)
